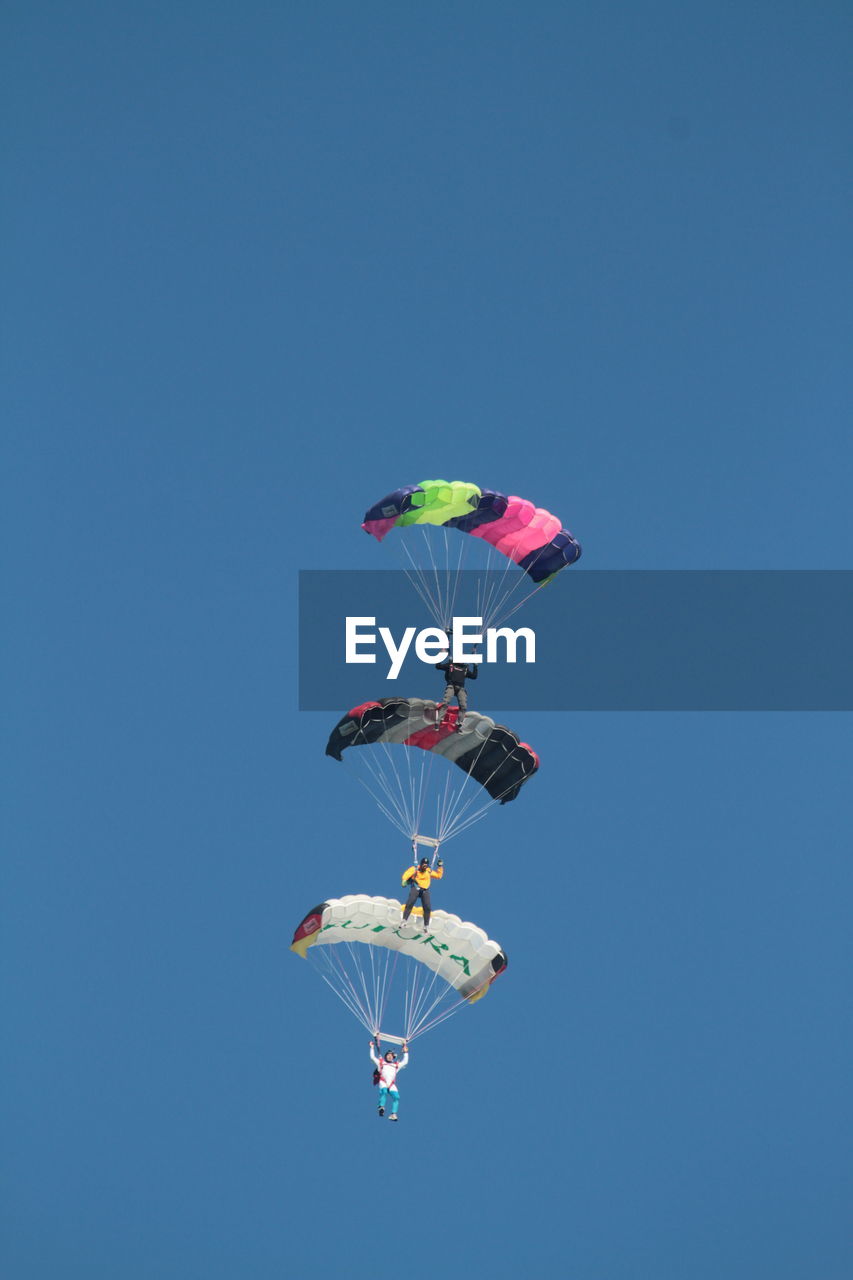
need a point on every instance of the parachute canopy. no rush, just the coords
(396, 975)
(489, 753)
(490, 758)
(515, 527)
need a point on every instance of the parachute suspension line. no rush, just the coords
(434, 563)
(417, 783)
(463, 815)
(537, 586)
(444, 805)
(368, 1007)
(452, 817)
(501, 591)
(377, 983)
(415, 790)
(442, 1016)
(402, 792)
(404, 807)
(485, 585)
(408, 813)
(425, 1003)
(463, 547)
(384, 975)
(413, 1003)
(515, 587)
(447, 591)
(419, 582)
(398, 782)
(424, 1020)
(342, 996)
(440, 598)
(393, 968)
(346, 993)
(407, 818)
(488, 587)
(411, 989)
(393, 803)
(505, 617)
(420, 765)
(418, 792)
(502, 580)
(465, 819)
(392, 814)
(459, 825)
(407, 1002)
(483, 595)
(387, 980)
(426, 765)
(463, 824)
(450, 801)
(355, 960)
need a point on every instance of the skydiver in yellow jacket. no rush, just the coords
(419, 879)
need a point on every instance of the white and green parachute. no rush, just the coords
(396, 979)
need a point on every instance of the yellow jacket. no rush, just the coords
(422, 878)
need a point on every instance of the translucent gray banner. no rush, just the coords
(605, 641)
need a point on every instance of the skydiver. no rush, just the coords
(419, 879)
(387, 1067)
(457, 674)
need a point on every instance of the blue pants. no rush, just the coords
(395, 1097)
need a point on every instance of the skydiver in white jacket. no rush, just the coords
(387, 1067)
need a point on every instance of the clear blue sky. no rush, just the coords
(260, 264)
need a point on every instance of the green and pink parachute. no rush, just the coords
(500, 531)
(531, 536)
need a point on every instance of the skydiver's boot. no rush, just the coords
(382, 1111)
(392, 1116)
